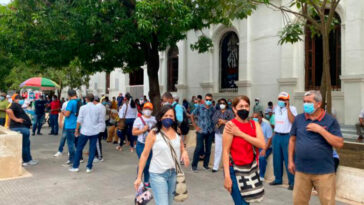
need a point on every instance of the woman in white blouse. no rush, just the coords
(162, 166)
(129, 112)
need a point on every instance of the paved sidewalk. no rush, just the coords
(110, 183)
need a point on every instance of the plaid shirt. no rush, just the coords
(204, 118)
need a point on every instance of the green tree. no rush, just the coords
(113, 33)
(317, 15)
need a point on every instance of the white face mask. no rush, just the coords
(147, 113)
(222, 106)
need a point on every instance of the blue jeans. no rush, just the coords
(70, 136)
(235, 192)
(26, 142)
(62, 141)
(139, 151)
(263, 162)
(128, 131)
(163, 186)
(92, 149)
(280, 154)
(2, 121)
(54, 123)
(38, 123)
(203, 140)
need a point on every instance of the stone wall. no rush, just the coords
(10, 154)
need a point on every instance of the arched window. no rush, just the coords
(229, 67)
(172, 78)
(136, 77)
(314, 58)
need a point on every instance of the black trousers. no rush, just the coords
(98, 152)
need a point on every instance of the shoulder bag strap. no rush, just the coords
(254, 151)
(173, 152)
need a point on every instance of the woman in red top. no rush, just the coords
(238, 137)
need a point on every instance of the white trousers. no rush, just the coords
(218, 151)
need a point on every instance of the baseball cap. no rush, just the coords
(15, 97)
(283, 96)
(148, 105)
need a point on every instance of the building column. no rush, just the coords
(182, 69)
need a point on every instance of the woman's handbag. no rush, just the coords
(121, 123)
(143, 196)
(250, 185)
(181, 193)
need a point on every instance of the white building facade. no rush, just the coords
(246, 59)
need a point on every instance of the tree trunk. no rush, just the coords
(152, 58)
(326, 77)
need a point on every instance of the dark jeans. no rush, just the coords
(54, 123)
(26, 142)
(280, 156)
(235, 192)
(121, 136)
(81, 144)
(203, 140)
(62, 140)
(128, 131)
(139, 151)
(263, 162)
(2, 121)
(98, 151)
(70, 136)
(38, 123)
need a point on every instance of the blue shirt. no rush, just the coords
(179, 111)
(204, 118)
(313, 154)
(267, 130)
(70, 122)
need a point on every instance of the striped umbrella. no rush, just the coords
(39, 83)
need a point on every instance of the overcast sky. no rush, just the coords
(4, 2)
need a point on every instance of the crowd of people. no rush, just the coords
(302, 143)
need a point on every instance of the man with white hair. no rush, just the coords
(314, 133)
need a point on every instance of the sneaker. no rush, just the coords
(96, 160)
(194, 169)
(58, 154)
(213, 170)
(290, 187)
(33, 162)
(262, 179)
(25, 164)
(88, 170)
(33, 134)
(274, 183)
(206, 168)
(68, 162)
(82, 161)
(74, 169)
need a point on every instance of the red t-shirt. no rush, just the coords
(242, 151)
(55, 106)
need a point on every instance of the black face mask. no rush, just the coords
(243, 114)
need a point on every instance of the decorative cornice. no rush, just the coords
(287, 81)
(207, 85)
(352, 78)
(243, 83)
(181, 86)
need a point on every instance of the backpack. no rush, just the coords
(79, 104)
(184, 125)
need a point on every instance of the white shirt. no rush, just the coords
(102, 112)
(131, 113)
(282, 123)
(89, 119)
(139, 124)
(64, 106)
(162, 158)
(361, 115)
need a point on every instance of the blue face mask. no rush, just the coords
(309, 108)
(21, 102)
(229, 103)
(208, 103)
(281, 103)
(196, 105)
(256, 119)
(167, 122)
